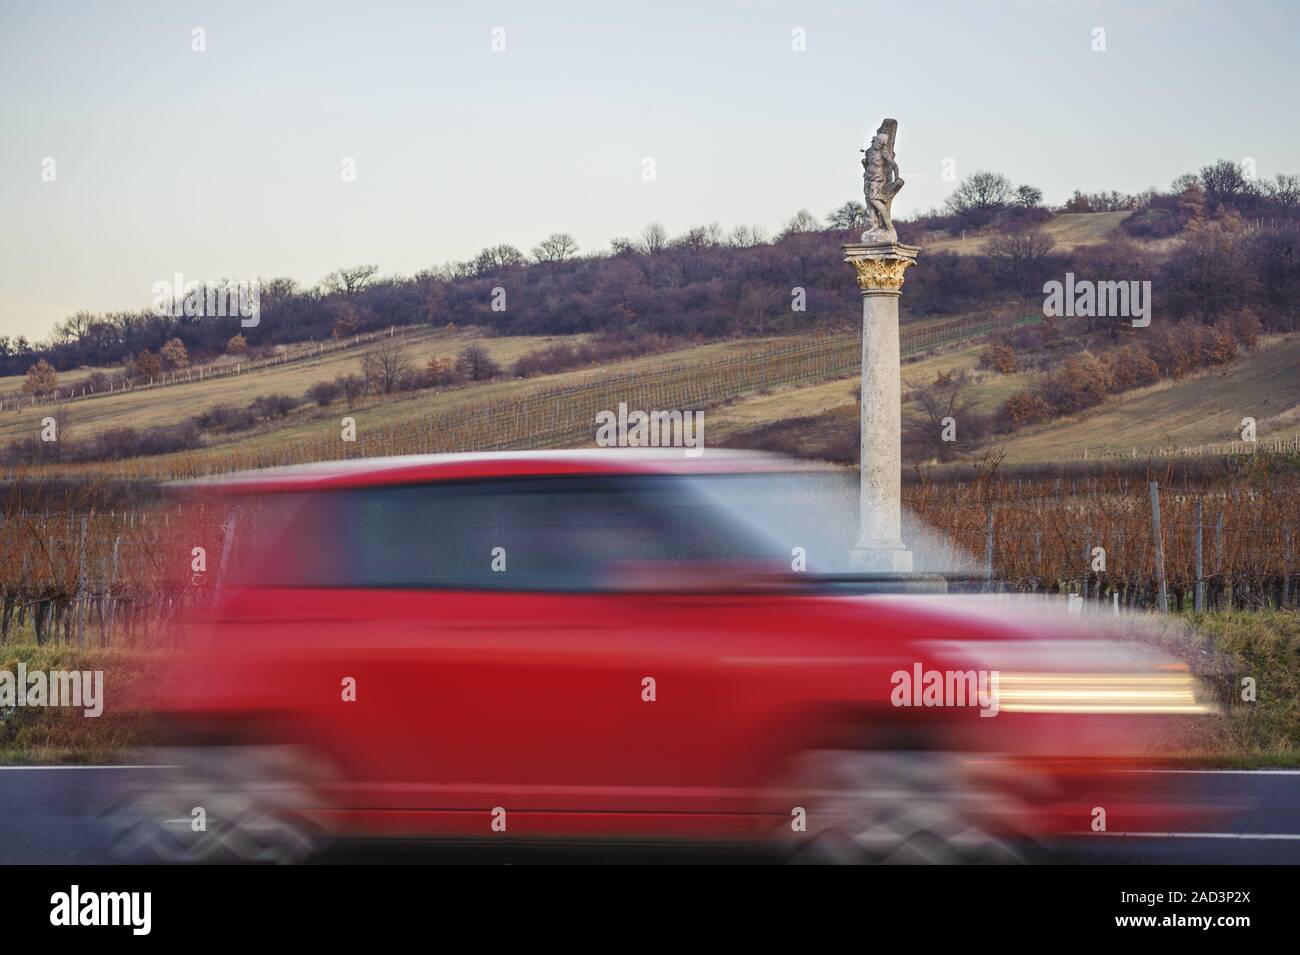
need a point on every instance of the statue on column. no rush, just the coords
(880, 183)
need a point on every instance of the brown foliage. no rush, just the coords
(41, 379)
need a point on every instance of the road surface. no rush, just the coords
(46, 818)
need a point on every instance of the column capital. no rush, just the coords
(880, 267)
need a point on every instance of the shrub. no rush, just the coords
(225, 418)
(173, 353)
(999, 357)
(146, 365)
(41, 379)
(1022, 408)
(475, 364)
(441, 371)
(324, 393)
(353, 388)
(273, 405)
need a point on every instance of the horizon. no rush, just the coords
(114, 97)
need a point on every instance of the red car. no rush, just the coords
(623, 646)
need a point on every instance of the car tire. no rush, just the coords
(252, 800)
(894, 808)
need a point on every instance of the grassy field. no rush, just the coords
(989, 391)
(153, 407)
(64, 734)
(1206, 408)
(1069, 229)
(1264, 645)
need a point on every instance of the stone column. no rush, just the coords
(880, 545)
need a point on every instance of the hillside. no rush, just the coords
(1203, 409)
(1070, 230)
(146, 408)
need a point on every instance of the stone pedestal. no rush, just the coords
(880, 270)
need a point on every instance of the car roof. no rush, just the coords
(418, 468)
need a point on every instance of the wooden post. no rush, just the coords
(112, 592)
(1286, 569)
(1218, 560)
(988, 551)
(1163, 597)
(1200, 569)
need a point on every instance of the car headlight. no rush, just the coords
(1078, 676)
(1098, 693)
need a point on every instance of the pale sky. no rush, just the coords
(227, 163)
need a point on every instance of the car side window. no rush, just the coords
(528, 534)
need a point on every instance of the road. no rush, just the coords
(46, 818)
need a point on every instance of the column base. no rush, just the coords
(888, 557)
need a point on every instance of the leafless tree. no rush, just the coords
(850, 217)
(801, 223)
(475, 364)
(556, 247)
(497, 257)
(350, 281)
(700, 237)
(1285, 192)
(654, 239)
(385, 366)
(747, 236)
(944, 423)
(1030, 197)
(1018, 255)
(1224, 181)
(980, 195)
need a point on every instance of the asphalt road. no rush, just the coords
(46, 817)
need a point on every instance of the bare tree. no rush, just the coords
(654, 238)
(75, 327)
(801, 223)
(850, 217)
(475, 364)
(496, 257)
(943, 423)
(385, 366)
(700, 237)
(556, 247)
(979, 196)
(1017, 256)
(1030, 197)
(747, 236)
(1224, 181)
(350, 281)
(1285, 192)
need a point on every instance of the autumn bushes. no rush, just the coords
(1086, 379)
(564, 357)
(113, 444)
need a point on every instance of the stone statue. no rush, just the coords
(880, 183)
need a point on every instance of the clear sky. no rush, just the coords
(228, 163)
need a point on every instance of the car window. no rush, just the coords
(551, 534)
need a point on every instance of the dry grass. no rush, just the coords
(1203, 409)
(164, 406)
(1069, 229)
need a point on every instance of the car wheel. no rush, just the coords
(895, 808)
(220, 805)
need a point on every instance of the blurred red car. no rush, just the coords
(594, 646)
